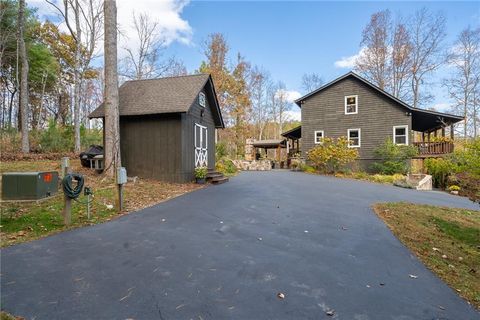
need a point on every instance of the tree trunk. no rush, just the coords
(23, 99)
(112, 135)
(77, 78)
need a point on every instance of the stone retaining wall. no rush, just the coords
(254, 165)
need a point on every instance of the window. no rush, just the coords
(319, 136)
(351, 104)
(354, 138)
(400, 135)
(201, 99)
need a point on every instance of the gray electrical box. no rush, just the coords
(29, 185)
(121, 175)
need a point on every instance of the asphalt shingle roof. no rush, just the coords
(156, 96)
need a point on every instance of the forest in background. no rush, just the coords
(63, 81)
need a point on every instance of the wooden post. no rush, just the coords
(451, 131)
(443, 132)
(423, 136)
(278, 154)
(67, 208)
(120, 198)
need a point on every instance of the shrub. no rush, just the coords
(440, 169)
(220, 150)
(469, 185)
(394, 158)
(468, 158)
(90, 136)
(453, 188)
(332, 156)
(306, 168)
(201, 172)
(56, 138)
(226, 166)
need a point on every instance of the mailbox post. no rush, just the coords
(121, 180)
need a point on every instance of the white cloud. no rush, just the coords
(290, 95)
(167, 13)
(295, 115)
(442, 107)
(349, 62)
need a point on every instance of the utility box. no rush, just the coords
(121, 175)
(29, 185)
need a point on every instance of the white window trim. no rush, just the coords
(200, 96)
(359, 138)
(315, 137)
(356, 104)
(406, 135)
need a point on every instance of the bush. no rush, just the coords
(226, 166)
(440, 169)
(90, 136)
(469, 185)
(332, 156)
(468, 158)
(306, 168)
(220, 150)
(56, 138)
(395, 158)
(201, 172)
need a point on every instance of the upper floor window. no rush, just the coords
(201, 99)
(351, 104)
(400, 135)
(318, 136)
(354, 138)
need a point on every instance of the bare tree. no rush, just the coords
(427, 32)
(85, 31)
(464, 83)
(260, 83)
(374, 63)
(112, 132)
(279, 106)
(400, 61)
(23, 101)
(145, 61)
(311, 81)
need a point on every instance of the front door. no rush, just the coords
(201, 146)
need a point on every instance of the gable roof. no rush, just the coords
(416, 111)
(164, 95)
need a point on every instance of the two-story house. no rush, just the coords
(353, 107)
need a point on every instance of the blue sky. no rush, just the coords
(293, 38)
(288, 39)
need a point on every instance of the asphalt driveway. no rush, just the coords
(224, 252)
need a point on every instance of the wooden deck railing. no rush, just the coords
(433, 148)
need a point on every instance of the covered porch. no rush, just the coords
(292, 138)
(433, 132)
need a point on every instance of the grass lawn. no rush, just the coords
(24, 221)
(447, 241)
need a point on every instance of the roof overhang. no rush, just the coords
(295, 133)
(427, 120)
(270, 144)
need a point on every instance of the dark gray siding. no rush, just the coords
(188, 144)
(376, 116)
(151, 146)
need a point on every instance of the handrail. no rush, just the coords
(432, 148)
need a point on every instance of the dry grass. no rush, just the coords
(447, 241)
(25, 221)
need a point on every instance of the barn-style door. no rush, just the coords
(201, 146)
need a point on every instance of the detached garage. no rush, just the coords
(167, 126)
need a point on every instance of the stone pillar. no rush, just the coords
(249, 150)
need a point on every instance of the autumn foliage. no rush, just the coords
(332, 156)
